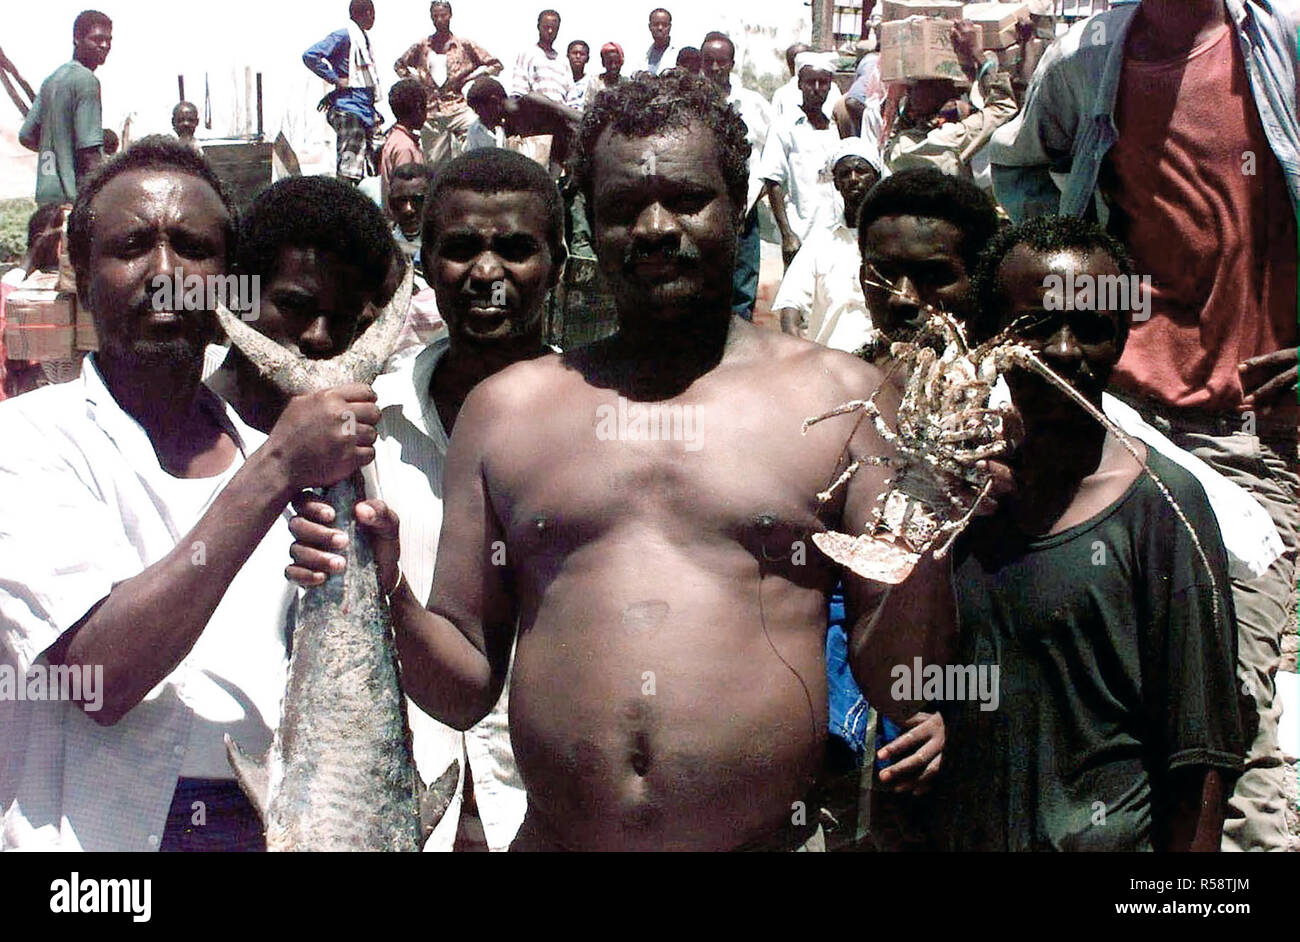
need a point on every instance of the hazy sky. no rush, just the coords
(156, 40)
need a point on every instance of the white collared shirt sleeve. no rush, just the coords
(1249, 535)
(84, 506)
(61, 548)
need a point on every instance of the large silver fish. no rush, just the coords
(340, 773)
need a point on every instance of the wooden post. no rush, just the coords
(823, 25)
(259, 106)
(180, 87)
(248, 100)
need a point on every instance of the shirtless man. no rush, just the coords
(668, 686)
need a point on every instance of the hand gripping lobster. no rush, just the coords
(945, 429)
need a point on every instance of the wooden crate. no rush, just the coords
(39, 325)
(244, 167)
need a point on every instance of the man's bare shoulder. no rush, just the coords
(818, 369)
(520, 386)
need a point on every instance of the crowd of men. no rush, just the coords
(631, 641)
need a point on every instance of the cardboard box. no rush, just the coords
(902, 9)
(998, 20)
(84, 338)
(1009, 59)
(39, 324)
(918, 48)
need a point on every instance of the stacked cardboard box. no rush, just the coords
(39, 324)
(918, 48)
(901, 9)
(998, 21)
(85, 339)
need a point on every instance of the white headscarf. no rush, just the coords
(857, 147)
(823, 61)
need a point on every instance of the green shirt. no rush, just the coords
(65, 118)
(1114, 672)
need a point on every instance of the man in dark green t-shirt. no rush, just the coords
(1117, 725)
(64, 126)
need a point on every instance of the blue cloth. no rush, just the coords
(1068, 121)
(744, 283)
(330, 59)
(848, 707)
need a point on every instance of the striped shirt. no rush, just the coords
(547, 73)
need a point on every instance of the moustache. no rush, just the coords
(633, 255)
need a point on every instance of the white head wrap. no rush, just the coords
(822, 61)
(857, 147)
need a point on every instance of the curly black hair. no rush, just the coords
(646, 105)
(320, 213)
(405, 98)
(157, 152)
(494, 170)
(87, 20)
(1042, 234)
(930, 193)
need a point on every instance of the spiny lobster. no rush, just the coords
(945, 427)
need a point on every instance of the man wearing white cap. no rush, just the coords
(794, 161)
(787, 99)
(821, 295)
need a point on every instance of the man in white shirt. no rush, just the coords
(820, 297)
(662, 54)
(543, 71)
(578, 54)
(787, 100)
(718, 58)
(140, 525)
(493, 246)
(794, 161)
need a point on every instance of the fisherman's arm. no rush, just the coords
(795, 296)
(1039, 140)
(409, 62)
(556, 117)
(1195, 810)
(488, 64)
(29, 135)
(454, 653)
(86, 161)
(790, 243)
(891, 625)
(320, 58)
(147, 624)
(88, 130)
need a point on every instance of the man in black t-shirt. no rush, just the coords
(1117, 725)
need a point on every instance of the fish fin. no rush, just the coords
(252, 776)
(437, 797)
